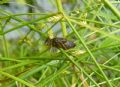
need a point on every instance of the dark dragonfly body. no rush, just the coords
(60, 43)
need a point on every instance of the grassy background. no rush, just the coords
(25, 60)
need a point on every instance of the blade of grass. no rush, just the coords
(10, 15)
(96, 30)
(17, 79)
(63, 25)
(17, 65)
(27, 23)
(32, 72)
(115, 79)
(115, 11)
(5, 45)
(77, 65)
(87, 49)
(94, 21)
(52, 77)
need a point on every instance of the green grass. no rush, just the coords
(94, 26)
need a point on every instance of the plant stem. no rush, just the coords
(115, 11)
(17, 79)
(63, 25)
(87, 49)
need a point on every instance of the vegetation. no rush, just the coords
(26, 61)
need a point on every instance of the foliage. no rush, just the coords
(93, 25)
